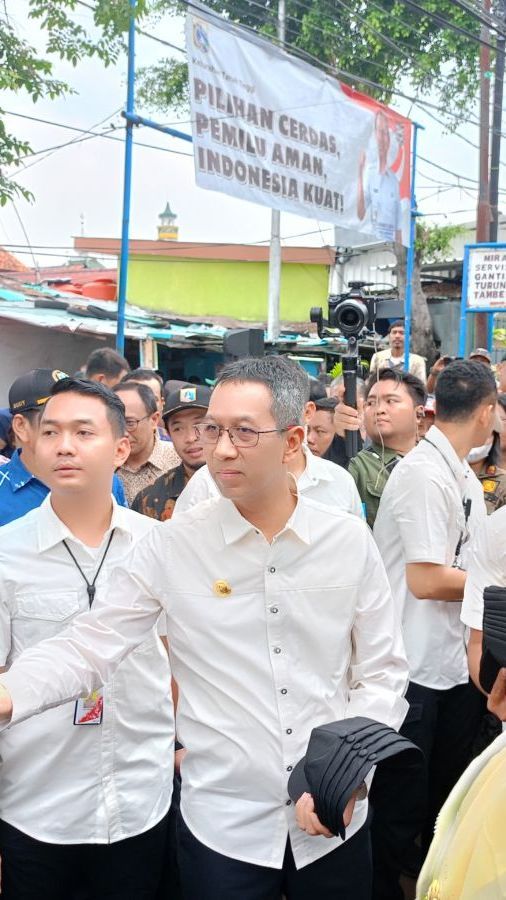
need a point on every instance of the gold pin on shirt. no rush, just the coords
(222, 588)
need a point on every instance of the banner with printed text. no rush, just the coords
(273, 130)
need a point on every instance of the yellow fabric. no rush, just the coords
(467, 858)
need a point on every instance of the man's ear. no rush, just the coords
(309, 410)
(420, 413)
(294, 437)
(122, 452)
(155, 418)
(20, 427)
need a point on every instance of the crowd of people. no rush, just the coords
(236, 663)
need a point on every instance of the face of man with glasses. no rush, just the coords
(245, 450)
(141, 425)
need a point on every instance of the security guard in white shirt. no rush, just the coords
(279, 619)
(430, 509)
(85, 787)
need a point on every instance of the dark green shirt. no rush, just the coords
(371, 470)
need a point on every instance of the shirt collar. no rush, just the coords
(234, 526)
(156, 459)
(458, 466)
(18, 473)
(51, 530)
(316, 469)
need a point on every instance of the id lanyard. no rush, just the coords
(466, 505)
(89, 710)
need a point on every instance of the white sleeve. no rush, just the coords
(378, 667)
(87, 653)
(422, 512)
(487, 566)
(200, 487)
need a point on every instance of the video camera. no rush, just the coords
(354, 313)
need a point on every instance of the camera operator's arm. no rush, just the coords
(346, 418)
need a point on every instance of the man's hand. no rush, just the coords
(5, 705)
(497, 697)
(346, 418)
(309, 821)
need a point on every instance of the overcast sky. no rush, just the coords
(85, 181)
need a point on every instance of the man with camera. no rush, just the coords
(392, 411)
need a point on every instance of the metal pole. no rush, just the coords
(127, 184)
(410, 262)
(495, 155)
(275, 246)
(483, 212)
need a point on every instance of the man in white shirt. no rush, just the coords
(279, 619)
(84, 788)
(393, 356)
(431, 507)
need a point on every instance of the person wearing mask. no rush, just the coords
(271, 634)
(106, 366)
(316, 477)
(21, 485)
(149, 456)
(184, 410)
(393, 409)
(430, 511)
(484, 462)
(85, 787)
(393, 356)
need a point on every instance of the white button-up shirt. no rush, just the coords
(267, 640)
(421, 519)
(59, 782)
(487, 566)
(321, 480)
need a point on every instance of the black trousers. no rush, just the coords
(444, 724)
(126, 870)
(343, 874)
(406, 799)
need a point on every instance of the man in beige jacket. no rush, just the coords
(393, 357)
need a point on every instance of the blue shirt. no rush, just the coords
(20, 491)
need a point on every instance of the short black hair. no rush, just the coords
(413, 385)
(145, 393)
(106, 361)
(141, 375)
(114, 407)
(399, 323)
(461, 388)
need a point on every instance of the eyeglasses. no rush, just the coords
(131, 424)
(239, 435)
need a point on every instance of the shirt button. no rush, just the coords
(289, 768)
(288, 802)
(272, 570)
(277, 649)
(288, 730)
(284, 691)
(274, 609)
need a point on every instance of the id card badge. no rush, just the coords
(89, 710)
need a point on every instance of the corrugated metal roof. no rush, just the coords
(43, 307)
